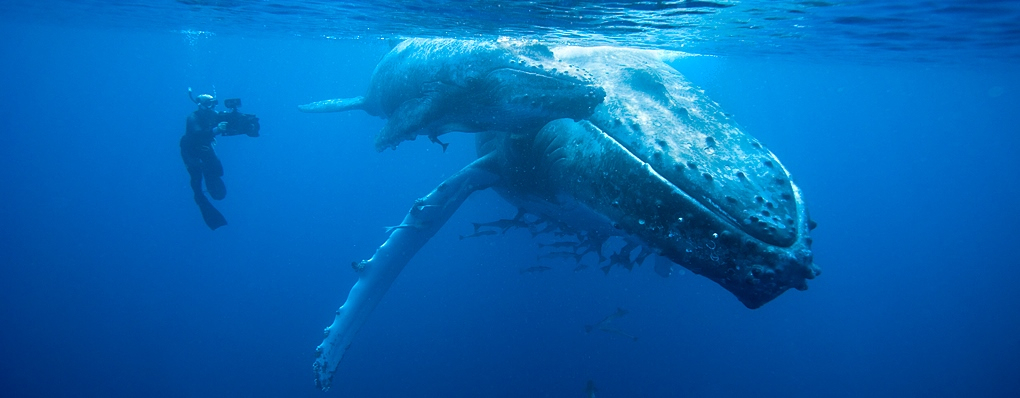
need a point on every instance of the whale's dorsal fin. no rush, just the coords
(334, 105)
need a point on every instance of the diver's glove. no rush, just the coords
(220, 129)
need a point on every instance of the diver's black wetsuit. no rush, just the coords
(201, 160)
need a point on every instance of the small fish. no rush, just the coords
(563, 234)
(605, 321)
(559, 245)
(619, 332)
(622, 258)
(477, 234)
(561, 255)
(537, 268)
(390, 229)
(642, 255)
(593, 249)
(603, 325)
(501, 225)
(549, 228)
(505, 224)
(435, 139)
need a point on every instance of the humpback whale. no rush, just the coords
(604, 142)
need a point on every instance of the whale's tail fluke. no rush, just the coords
(334, 105)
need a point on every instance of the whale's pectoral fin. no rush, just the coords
(377, 273)
(334, 105)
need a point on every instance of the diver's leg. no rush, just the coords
(212, 217)
(376, 274)
(193, 163)
(213, 170)
(196, 181)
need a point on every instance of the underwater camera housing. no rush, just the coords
(239, 123)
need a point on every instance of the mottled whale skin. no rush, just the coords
(645, 157)
(435, 86)
(662, 164)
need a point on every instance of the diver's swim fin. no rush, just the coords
(213, 218)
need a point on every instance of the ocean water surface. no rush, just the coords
(898, 120)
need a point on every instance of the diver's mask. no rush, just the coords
(206, 101)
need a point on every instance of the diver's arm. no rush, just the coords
(220, 129)
(194, 127)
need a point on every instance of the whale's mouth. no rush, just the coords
(543, 73)
(706, 156)
(536, 96)
(537, 82)
(651, 196)
(751, 192)
(725, 207)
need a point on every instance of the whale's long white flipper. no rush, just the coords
(334, 105)
(377, 274)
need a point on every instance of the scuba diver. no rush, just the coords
(203, 125)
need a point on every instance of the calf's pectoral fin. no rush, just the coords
(334, 105)
(377, 273)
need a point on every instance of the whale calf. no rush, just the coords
(435, 86)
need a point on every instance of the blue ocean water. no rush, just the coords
(897, 119)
